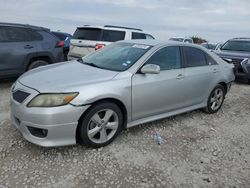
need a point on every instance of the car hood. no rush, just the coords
(64, 77)
(233, 54)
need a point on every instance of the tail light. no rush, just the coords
(60, 44)
(99, 46)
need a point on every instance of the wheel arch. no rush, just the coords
(224, 86)
(37, 56)
(119, 103)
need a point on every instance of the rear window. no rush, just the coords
(138, 35)
(88, 34)
(60, 35)
(98, 34)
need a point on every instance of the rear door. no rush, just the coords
(15, 45)
(154, 94)
(201, 73)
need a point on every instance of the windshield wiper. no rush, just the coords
(92, 65)
(80, 60)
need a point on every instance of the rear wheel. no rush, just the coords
(100, 125)
(37, 63)
(215, 99)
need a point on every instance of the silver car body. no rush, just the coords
(145, 97)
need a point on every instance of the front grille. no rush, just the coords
(20, 96)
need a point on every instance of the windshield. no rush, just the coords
(237, 46)
(117, 56)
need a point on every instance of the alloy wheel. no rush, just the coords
(216, 99)
(102, 126)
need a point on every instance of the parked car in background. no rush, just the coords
(24, 47)
(87, 39)
(237, 51)
(209, 46)
(218, 46)
(90, 100)
(66, 37)
(182, 39)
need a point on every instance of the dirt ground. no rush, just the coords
(200, 150)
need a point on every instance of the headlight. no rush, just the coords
(13, 86)
(52, 99)
(248, 62)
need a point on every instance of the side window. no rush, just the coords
(194, 57)
(113, 36)
(167, 58)
(138, 35)
(34, 36)
(148, 36)
(18, 34)
(188, 41)
(210, 60)
(4, 37)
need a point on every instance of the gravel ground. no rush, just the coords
(200, 150)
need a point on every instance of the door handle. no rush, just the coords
(215, 70)
(28, 47)
(180, 76)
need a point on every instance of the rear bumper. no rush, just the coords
(60, 123)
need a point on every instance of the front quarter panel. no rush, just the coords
(118, 88)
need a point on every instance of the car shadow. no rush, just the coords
(7, 82)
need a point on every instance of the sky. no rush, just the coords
(214, 20)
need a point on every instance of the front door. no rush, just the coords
(158, 93)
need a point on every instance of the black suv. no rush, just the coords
(24, 47)
(237, 51)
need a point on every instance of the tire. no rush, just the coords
(215, 100)
(100, 125)
(37, 63)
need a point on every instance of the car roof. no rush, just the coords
(24, 25)
(152, 42)
(181, 38)
(111, 27)
(241, 39)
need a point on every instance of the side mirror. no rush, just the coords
(150, 69)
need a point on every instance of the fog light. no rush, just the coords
(41, 133)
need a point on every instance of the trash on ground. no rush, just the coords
(158, 139)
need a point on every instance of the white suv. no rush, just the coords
(87, 39)
(182, 39)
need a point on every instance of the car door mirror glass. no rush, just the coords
(150, 69)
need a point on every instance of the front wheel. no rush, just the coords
(215, 99)
(100, 125)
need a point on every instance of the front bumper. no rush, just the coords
(241, 68)
(59, 122)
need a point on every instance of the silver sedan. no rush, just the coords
(92, 99)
